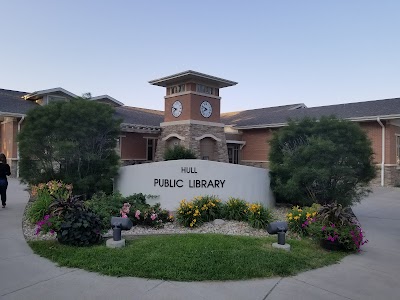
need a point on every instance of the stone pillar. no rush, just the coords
(190, 135)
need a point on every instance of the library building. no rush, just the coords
(192, 118)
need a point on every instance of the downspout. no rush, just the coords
(383, 152)
(19, 129)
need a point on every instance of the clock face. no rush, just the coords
(206, 109)
(176, 109)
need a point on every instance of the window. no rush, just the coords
(398, 149)
(178, 89)
(204, 89)
(151, 149)
(233, 154)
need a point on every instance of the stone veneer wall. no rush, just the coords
(190, 132)
(392, 176)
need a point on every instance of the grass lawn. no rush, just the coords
(192, 257)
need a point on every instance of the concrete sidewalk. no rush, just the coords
(372, 274)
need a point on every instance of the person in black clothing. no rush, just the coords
(4, 171)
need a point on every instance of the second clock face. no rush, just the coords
(176, 109)
(205, 109)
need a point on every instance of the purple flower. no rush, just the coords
(46, 217)
(52, 231)
(323, 228)
(333, 225)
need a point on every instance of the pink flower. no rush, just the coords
(137, 214)
(153, 216)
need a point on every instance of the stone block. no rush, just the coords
(110, 243)
(285, 247)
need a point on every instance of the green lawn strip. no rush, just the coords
(192, 257)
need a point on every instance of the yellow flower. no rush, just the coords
(290, 218)
(314, 213)
(308, 215)
(299, 210)
(296, 218)
(191, 224)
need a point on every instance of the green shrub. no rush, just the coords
(39, 208)
(178, 152)
(300, 218)
(106, 206)
(335, 213)
(236, 209)
(141, 213)
(347, 237)
(74, 223)
(80, 228)
(153, 216)
(73, 141)
(336, 224)
(200, 209)
(321, 161)
(44, 195)
(259, 216)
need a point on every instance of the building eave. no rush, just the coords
(190, 75)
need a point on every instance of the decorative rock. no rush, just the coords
(110, 243)
(219, 222)
(283, 247)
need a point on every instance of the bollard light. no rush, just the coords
(280, 228)
(118, 224)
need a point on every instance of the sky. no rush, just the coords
(280, 52)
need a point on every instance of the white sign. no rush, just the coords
(175, 180)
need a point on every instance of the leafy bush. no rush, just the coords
(259, 216)
(80, 228)
(200, 209)
(74, 223)
(106, 206)
(178, 152)
(321, 161)
(335, 213)
(45, 195)
(300, 218)
(236, 209)
(153, 216)
(348, 237)
(337, 224)
(71, 141)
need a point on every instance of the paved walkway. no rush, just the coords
(373, 274)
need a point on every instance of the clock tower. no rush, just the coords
(192, 115)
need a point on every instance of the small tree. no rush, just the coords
(70, 141)
(321, 161)
(178, 152)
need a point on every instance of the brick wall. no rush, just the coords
(257, 144)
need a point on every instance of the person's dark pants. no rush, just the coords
(3, 191)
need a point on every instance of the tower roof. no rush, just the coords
(192, 75)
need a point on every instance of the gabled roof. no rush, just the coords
(359, 111)
(107, 99)
(12, 102)
(39, 94)
(253, 115)
(139, 116)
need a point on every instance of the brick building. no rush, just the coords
(192, 118)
